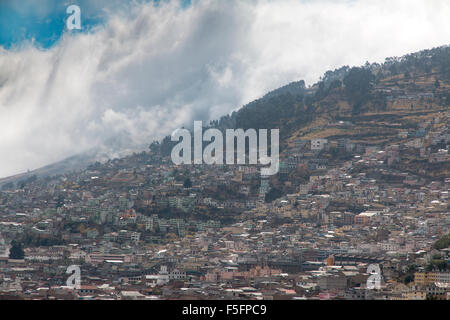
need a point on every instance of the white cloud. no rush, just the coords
(150, 70)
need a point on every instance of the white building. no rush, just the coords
(318, 144)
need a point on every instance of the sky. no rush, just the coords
(140, 69)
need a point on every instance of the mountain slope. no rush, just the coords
(378, 101)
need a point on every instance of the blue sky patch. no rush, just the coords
(44, 21)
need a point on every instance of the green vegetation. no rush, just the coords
(30, 240)
(8, 186)
(442, 243)
(408, 276)
(16, 251)
(437, 265)
(273, 194)
(187, 183)
(358, 86)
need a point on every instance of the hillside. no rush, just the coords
(375, 104)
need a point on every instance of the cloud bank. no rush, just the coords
(149, 70)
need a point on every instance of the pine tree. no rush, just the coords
(16, 251)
